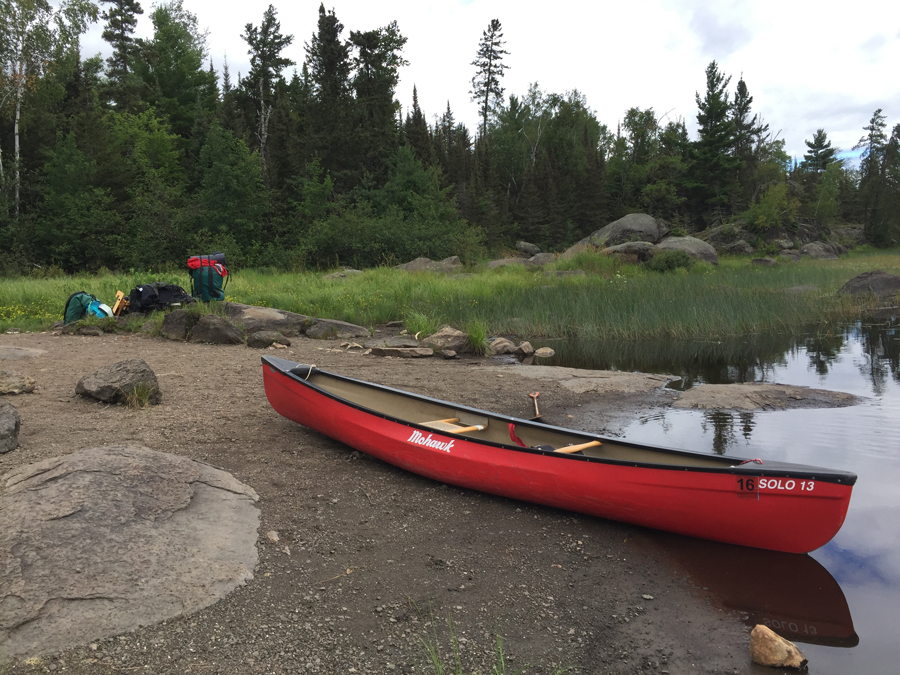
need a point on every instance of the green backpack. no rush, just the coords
(209, 276)
(77, 306)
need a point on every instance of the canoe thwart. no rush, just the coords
(576, 448)
(449, 425)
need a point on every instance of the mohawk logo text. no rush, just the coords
(420, 439)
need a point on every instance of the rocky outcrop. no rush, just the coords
(266, 338)
(217, 330)
(509, 262)
(765, 262)
(404, 352)
(451, 264)
(117, 382)
(767, 648)
(12, 383)
(696, 248)
(739, 247)
(323, 329)
(110, 539)
(633, 227)
(878, 283)
(10, 424)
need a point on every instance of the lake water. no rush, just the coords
(841, 603)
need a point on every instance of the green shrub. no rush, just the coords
(666, 261)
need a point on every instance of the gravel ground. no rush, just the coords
(363, 566)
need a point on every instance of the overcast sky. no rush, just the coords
(807, 64)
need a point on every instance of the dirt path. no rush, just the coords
(373, 563)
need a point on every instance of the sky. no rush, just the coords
(808, 65)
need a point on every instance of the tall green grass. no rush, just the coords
(612, 301)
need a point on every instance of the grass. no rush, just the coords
(613, 301)
(139, 396)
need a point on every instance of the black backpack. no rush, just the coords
(155, 296)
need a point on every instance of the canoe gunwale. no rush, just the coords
(771, 469)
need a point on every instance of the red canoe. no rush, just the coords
(771, 505)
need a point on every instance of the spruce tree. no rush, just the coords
(489, 67)
(121, 20)
(415, 129)
(266, 63)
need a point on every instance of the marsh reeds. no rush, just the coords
(612, 301)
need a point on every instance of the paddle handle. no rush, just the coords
(575, 448)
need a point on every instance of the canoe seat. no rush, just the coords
(451, 426)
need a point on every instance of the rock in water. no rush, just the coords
(115, 383)
(10, 423)
(102, 541)
(767, 648)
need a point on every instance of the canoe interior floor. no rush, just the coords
(452, 420)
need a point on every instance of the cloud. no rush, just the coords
(873, 47)
(719, 37)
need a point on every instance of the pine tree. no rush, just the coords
(415, 129)
(714, 166)
(489, 69)
(749, 132)
(873, 179)
(820, 154)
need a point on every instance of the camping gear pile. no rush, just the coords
(208, 275)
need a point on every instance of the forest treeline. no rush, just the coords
(154, 153)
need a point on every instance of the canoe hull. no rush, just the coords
(714, 504)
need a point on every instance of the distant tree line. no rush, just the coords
(154, 153)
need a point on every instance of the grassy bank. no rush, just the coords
(612, 301)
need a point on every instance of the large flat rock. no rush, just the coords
(589, 381)
(105, 540)
(761, 396)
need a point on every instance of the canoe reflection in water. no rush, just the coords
(790, 593)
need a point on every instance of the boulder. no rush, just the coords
(447, 338)
(697, 249)
(765, 262)
(541, 259)
(266, 338)
(254, 319)
(101, 542)
(323, 329)
(529, 250)
(633, 227)
(767, 648)
(343, 274)
(114, 383)
(791, 255)
(524, 349)
(506, 262)
(502, 346)
(15, 383)
(177, 324)
(10, 423)
(391, 341)
(642, 250)
(403, 352)
(723, 235)
(819, 250)
(878, 283)
(449, 354)
(544, 353)
(216, 330)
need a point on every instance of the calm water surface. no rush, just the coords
(842, 602)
